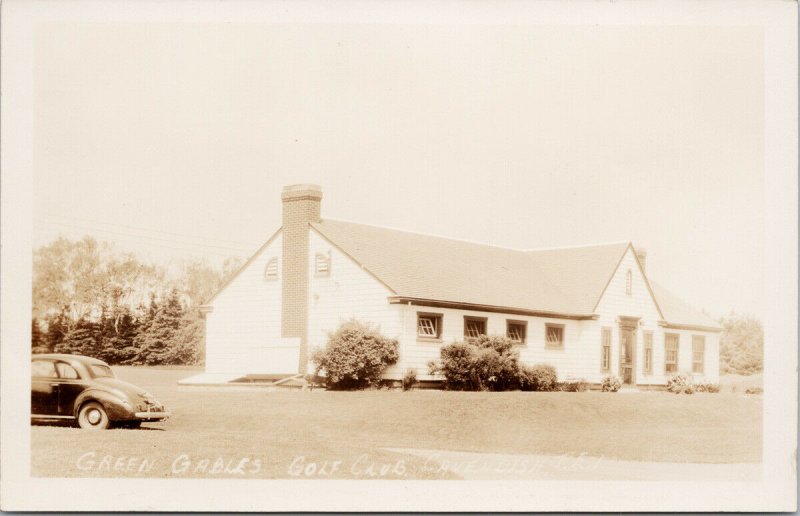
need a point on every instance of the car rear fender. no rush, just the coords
(115, 406)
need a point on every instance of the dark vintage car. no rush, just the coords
(84, 389)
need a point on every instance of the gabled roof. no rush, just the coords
(677, 313)
(566, 281)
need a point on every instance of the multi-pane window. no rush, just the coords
(554, 335)
(648, 352)
(271, 272)
(629, 282)
(429, 325)
(671, 353)
(474, 327)
(322, 264)
(516, 331)
(605, 351)
(698, 353)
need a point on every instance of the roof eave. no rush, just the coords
(695, 327)
(209, 302)
(460, 305)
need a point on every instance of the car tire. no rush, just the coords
(93, 416)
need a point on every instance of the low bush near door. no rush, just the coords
(611, 384)
(680, 384)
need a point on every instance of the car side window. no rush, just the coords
(66, 371)
(43, 369)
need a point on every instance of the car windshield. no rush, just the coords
(102, 371)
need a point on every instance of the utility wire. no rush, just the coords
(146, 230)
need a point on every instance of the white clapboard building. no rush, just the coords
(590, 311)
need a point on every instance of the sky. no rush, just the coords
(174, 140)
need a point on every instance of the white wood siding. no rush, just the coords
(246, 321)
(616, 302)
(346, 291)
(571, 361)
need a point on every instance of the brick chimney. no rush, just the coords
(301, 205)
(642, 255)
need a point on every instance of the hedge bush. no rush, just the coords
(355, 356)
(539, 377)
(573, 385)
(486, 363)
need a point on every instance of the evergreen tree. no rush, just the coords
(57, 328)
(154, 342)
(118, 335)
(189, 344)
(38, 340)
(83, 339)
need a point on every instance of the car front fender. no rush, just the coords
(116, 407)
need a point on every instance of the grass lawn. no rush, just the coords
(281, 434)
(739, 383)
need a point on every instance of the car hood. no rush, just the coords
(114, 383)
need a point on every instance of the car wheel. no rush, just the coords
(93, 416)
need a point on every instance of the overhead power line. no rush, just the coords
(151, 240)
(146, 230)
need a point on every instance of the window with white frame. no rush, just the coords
(698, 353)
(429, 326)
(554, 335)
(605, 349)
(271, 271)
(671, 341)
(474, 327)
(516, 331)
(648, 352)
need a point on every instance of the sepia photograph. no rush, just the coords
(460, 256)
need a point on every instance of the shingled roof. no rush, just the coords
(565, 281)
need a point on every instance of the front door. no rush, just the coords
(627, 348)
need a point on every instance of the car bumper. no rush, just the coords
(152, 416)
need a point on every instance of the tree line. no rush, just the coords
(90, 299)
(741, 344)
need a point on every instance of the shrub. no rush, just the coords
(487, 363)
(539, 377)
(611, 384)
(680, 383)
(707, 387)
(409, 379)
(355, 356)
(573, 385)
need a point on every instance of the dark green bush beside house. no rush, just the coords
(539, 377)
(355, 356)
(487, 363)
